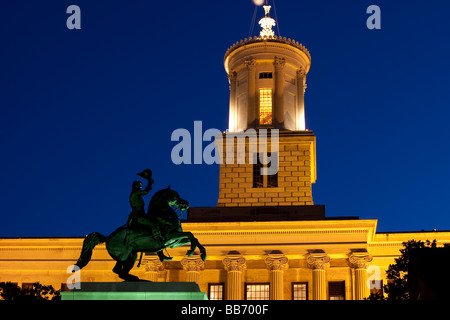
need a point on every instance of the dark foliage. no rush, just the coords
(397, 274)
(12, 292)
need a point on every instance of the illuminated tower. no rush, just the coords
(267, 76)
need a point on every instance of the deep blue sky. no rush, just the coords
(82, 111)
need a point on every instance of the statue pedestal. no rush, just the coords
(139, 290)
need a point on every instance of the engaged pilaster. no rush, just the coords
(251, 113)
(232, 121)
(276, 263)
(279, 89)
(193, 266)
(300, 114)
(234, 264)
(360, 261)
(318, 262)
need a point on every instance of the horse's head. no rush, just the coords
(172, 198)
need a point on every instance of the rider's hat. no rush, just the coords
(146, 174)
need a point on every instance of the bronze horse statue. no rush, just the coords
(124, 244)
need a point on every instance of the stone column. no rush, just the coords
(234, 264)
(300, 116)
(251, 113)
(193, 266)
(279, 90)
(318, 264)
(232, 121)
(360, 262)
(153, 266)
(276, 264)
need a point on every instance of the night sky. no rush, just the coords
(82, 111)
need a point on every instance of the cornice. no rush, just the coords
(302, 227)
(246, 233)
(271, 40)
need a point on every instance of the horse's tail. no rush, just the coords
(89, 244)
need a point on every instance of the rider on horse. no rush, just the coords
(137, 217)
(155, 231)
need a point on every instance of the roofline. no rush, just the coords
(183, 221)
(420, 231)
(42, 237)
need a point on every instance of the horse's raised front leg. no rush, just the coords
(181, 241)
(202, 250)
(187, 237)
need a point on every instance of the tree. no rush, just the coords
(397, 274)
(11, 291)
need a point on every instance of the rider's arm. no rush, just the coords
(146, 190)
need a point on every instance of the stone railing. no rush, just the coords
(279, 39)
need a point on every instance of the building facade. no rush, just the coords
(265, 239)
(305, 259)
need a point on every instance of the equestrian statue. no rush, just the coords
(153, 231)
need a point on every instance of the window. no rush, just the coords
(259, 180)
(215, 291)
(258, 291)
(272, 179)
(265, 75)
(376, 287)
(265, 106)
(336, 290)
(300, 291)
(27, 285)
(27, 288)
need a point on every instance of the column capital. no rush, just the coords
(318, 260)
(251, 64)
(301, 73)
(279, 63)
(232, 76)
(194, 263)
(359, 260)
(276, 262)
(301, 78)
(153, 263)
(234, 263)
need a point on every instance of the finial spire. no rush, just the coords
(266, 24)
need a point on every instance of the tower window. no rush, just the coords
(259, 180)
(265, 106)
(272, 179)
(265, 75)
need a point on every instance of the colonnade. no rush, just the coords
(235, 264)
